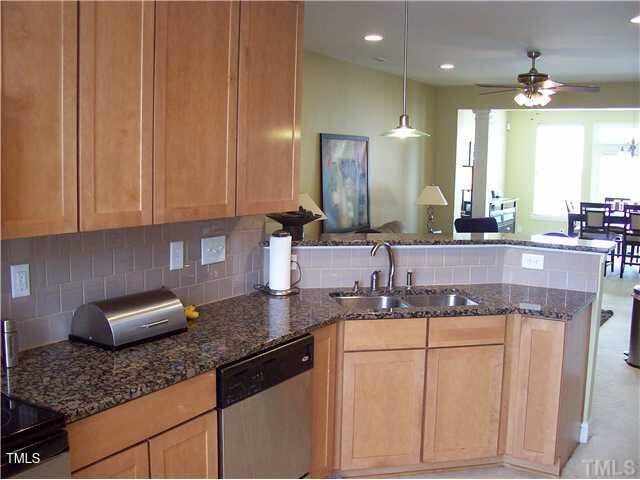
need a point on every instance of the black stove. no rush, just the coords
(31, 435)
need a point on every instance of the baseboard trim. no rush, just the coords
(584, 432)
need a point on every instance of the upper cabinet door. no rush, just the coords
(195, 110)
(39, 119)
(269, 106)
(116, 110)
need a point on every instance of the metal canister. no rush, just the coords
(9, 344)
(633, 358)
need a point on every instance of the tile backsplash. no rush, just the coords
(69, 270)
(339, 267)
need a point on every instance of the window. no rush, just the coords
(558, 168)
(615, 173)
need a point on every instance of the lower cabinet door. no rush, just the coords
(382, 399)
(187, 451)
(534, 417)
(462, 403)
(323, 402)
(130, 463)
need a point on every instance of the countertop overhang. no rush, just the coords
(79, 380)
(460, 239)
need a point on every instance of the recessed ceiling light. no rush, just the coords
(635, 19)
(373, 37)
(447, 66)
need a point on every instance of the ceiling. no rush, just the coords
(580, 41)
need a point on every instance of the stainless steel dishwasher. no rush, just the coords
(264, 413)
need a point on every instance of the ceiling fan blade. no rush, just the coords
(488, 85)
(576, 88)
(549, 84)
(547, 91)
(500, 91)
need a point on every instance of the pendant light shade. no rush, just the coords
(404, 129)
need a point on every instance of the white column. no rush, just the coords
(479, 207)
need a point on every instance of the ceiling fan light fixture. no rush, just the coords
(532, 99)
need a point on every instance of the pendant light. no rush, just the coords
(404, 129)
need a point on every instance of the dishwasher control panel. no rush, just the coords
(256, 373)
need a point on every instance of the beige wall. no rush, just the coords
(343, 98)
(521, 147)
(450, 99)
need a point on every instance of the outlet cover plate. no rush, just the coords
(20, 283)
(176, 255)
(533, 262)
(213, 249)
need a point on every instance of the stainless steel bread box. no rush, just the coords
(122, 321)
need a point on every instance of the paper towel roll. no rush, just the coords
(280, 260)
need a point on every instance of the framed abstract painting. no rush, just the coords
(345, 182)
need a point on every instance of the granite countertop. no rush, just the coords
(79, 380)
(539, 241)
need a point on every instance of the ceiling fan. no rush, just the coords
(536, 87)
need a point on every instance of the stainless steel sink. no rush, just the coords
(438, 300)
(378, 302)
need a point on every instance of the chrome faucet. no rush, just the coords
(392, 266)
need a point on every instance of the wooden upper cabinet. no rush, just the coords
(270, 80)
(187, 451)
(382, 400)
(116, 114)
(39, 118)
(195, 110)
(130, 463)
(462, 406)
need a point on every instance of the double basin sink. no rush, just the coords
(388, 302)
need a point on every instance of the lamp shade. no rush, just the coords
(306, 202)
(431, 195)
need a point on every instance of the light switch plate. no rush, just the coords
(20, 283)
(533, 262)
(213, 249)
(176, 255)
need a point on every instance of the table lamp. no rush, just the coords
(431, 196)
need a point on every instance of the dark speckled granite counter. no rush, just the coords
(538, 241)
(80, 380)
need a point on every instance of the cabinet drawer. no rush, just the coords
(462, 331)
(388, 334)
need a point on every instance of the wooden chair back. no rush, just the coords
(594, 219)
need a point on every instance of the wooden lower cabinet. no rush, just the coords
(382, 398)
(534, 412)
(323, 402)
(187, 451)
(130, 463)
(462, 403)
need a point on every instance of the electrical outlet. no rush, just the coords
(294, 262)
(533, 262)
(213, 249)
(176, 255)
(20, 283)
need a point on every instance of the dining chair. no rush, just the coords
(476, 225)
(594, 221)
(631, 238)
(594, 225)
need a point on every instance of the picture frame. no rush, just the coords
(344, 167)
